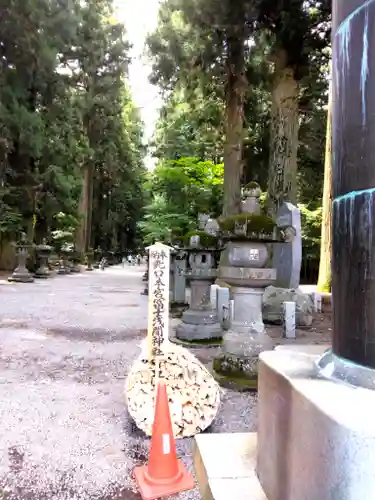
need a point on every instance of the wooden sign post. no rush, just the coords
(158, 298)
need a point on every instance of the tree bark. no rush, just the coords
(282, 173)
(85, 210)
(236, 87)
(324, 279)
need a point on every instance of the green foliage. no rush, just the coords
(190, 125)
(159, 223)
(190, 184)
(189, 54)
(180, 190)
(311, 221)
(190, 49)
(65, 104)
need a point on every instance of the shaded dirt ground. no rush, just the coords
(66, 345)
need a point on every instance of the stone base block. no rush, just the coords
(237, 364)
(225, 467)
(194, 344)
(63, 270)
(191, 332)
(316, 438)
(21, 277)
(42, 273)
(236, 372)
(202, 317)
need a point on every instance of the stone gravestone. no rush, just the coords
(287, 257)
(212, 227)
(222, 305)
(179, 282)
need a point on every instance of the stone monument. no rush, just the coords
(287, 259)
(64, 267)
(178, 278)
(287, 256)
(43, 252)
(244, 265)
(21, 274)
(200, 321)
(316, 432)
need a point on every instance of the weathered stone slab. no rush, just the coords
(287, 257)
(179, 279)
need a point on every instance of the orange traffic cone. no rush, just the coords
(164, 474)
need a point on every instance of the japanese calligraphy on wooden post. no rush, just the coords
(193, 393)
(158, 306)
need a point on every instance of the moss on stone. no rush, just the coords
(234, 367)
(255, 223)
(236, 382)
(251, 185)
(205, 240)
(204, 342)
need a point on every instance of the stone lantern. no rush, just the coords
(245, 266)
(43, 252)
(64, 265)
(21, 274)
(89, 259)
(200, 322)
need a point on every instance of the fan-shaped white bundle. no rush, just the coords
(194, 396)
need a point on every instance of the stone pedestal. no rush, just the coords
(21, 274)
(43, 270)
(63, 267)
(43, 253)
(247, 313)
(316, 437)
(75, 265)
(200, 322)
(237, 364)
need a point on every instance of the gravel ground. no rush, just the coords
(66, 345)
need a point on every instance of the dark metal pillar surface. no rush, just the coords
(353, 129)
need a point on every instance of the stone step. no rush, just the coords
(225, 466)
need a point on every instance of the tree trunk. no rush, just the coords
(85, 210)
(324, 280)
(236, 88)
(282, 173)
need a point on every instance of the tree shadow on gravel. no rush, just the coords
(96, 335)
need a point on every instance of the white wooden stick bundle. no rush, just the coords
(194, 396)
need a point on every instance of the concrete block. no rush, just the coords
(225, 466)
(316, 437)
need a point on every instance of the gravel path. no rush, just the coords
(66, 345)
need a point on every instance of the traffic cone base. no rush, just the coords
(164, 474)
(152, 490)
